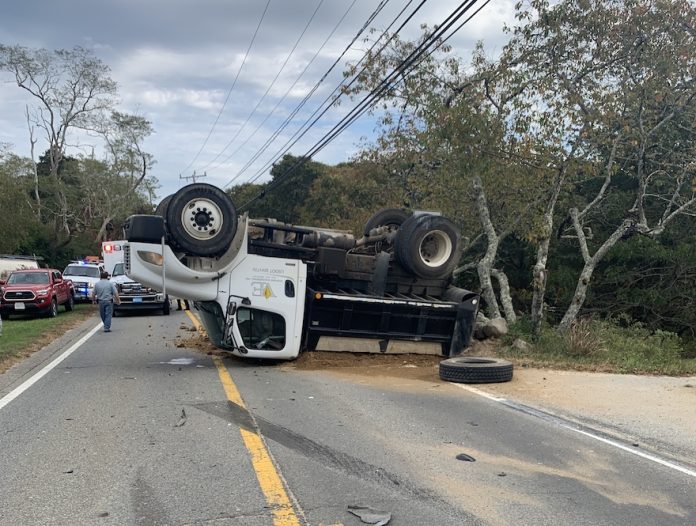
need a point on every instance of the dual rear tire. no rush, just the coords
(426, 245)
(201, 219)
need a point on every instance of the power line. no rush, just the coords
(234, 83)
(290, 141)
(330, 100)
(408, 63)
(282, 67)
(280, 101)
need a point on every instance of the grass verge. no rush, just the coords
(24, 336)
(593, 345)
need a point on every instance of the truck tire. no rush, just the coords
(161, 209)
(428, 246)
(475, 370)
(70, 304)
(389, 217)
(201, 220)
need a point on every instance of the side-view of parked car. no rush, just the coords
(35, 291)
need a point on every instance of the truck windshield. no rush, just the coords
(118, 270)
(261, 329)
(29, 278)
(79, 270)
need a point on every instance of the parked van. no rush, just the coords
(8, 263)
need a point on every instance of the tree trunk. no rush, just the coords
(505, 296)
(590, 264)
(32, 141)
(101, 235)
(485, 266)
(540, 273)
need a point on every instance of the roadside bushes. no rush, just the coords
(603, 345)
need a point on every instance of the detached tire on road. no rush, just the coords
(475, 370)
(201, 220)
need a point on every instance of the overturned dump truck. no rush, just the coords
(267, 289)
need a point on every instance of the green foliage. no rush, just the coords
(18, 221)
(282, 197)
(345, 196)
(74, 197)
(604, 345)
(21, 334)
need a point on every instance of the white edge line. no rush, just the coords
(481, 393)
(642, 454)
(31, 381)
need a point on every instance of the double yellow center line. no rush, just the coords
(271, 484)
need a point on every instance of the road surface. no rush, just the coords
(139, 427)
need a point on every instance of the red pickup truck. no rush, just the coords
(35, 291)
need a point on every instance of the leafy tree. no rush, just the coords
(15, 202)
(282, 197)
(74, 95)
(449, 144)
(612, 83)
(345, 196)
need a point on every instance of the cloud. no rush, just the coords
(176, 61)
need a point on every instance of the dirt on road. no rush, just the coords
(659, 411)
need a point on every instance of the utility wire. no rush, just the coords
(330, 99)
(408, 63)
(285, 95)
(253, 111)
(234, 83)
(289, 118)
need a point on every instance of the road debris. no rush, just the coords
(370, 516)
(182, 419)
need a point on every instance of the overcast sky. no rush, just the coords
(176, 61)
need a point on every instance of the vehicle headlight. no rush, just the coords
(90, 285)
(42, 292)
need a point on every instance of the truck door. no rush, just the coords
(266, 307)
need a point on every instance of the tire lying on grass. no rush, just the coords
(475, 370)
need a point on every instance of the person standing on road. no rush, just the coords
(106, 294)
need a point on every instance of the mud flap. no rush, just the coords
(464, 326)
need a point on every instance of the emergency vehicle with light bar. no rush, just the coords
(84, 275)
